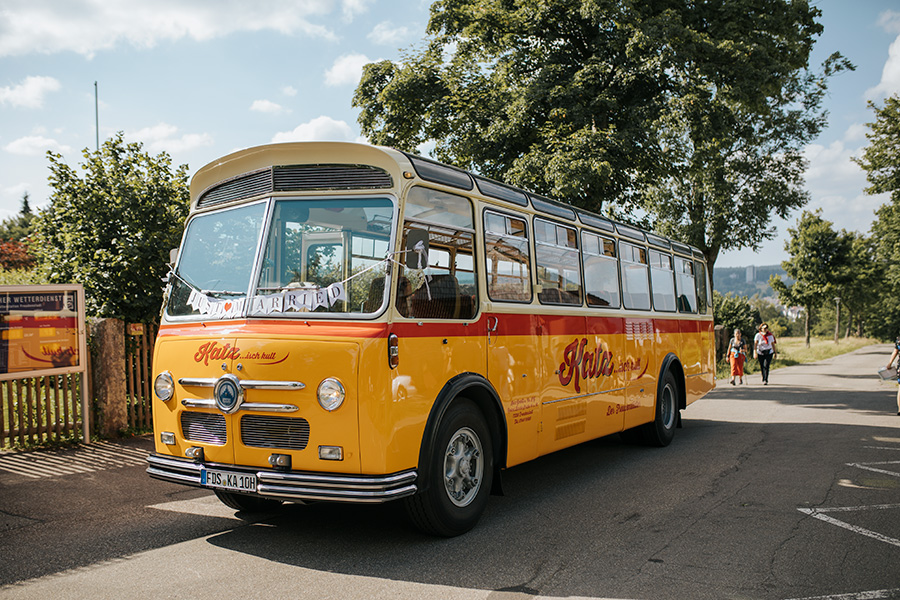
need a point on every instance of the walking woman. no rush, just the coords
(764, 350)
(737, 353)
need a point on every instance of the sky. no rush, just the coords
(202, 78)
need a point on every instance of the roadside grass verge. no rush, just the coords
(793, 351)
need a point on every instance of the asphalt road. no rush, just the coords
(786, 491)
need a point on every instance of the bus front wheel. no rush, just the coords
(459, 474)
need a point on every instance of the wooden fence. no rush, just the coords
(40, 409)
(45, 409)
(139, 377)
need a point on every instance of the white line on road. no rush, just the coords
(819, 513)
(871, 595)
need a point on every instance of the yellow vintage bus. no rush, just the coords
(352, 323)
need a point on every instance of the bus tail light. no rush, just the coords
(393, 350)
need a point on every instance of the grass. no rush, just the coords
(793, 351)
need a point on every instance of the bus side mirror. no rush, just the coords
(416, 249)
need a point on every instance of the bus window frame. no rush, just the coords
(646, 267)
(658, 269)
(692, 275)
(427, 225)
(577, 249)
(614, 259)
(529, 238)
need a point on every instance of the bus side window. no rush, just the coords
(702, 287)
(507, 258)
(662, 281)
(558, 263)
(601, 271)
(635, 277)
(445, 288)
(685, 287)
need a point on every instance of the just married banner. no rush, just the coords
(300, 300)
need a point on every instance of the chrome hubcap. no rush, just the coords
(463, 467)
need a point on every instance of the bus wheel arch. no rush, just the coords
(462, 452)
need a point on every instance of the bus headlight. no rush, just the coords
(330, 394)
(164, 386)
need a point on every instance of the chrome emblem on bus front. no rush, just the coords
(228, 393)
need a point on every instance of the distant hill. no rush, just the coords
(747, 281)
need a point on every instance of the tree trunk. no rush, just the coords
(806, 325)
(837, 320)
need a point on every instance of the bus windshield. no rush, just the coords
(320, 256)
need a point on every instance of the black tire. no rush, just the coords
(460, 472)
(662, 430)
(245, 503)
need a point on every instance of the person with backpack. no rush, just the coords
(737, 353)
(764, 350)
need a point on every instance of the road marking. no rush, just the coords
(867, 467)
(819, 513)
(871, 595)
(84, 458)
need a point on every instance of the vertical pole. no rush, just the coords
(97, 115)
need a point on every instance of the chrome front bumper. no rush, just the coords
(293, 485)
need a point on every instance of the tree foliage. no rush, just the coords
(112, 228)
(694, 110)
(819, 264)
(736, 312)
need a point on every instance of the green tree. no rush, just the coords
(18, 228)
(736, 312)
(819, 265)
(881, 161)
(616, 104)
(111, 230)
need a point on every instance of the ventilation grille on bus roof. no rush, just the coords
(295, 178)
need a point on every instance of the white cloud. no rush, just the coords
(267, 106)
(319, 129)
(30, 93)
(346, 70)
(88, 26)
(890, 74)
(352, 8)
(889, 20)
(386, 34)
(35, 145)
(166, 138)
(289, 91)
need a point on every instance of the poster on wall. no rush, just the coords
(41, 330)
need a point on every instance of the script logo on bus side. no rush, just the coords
(579, 363)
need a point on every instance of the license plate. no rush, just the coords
(239, 482)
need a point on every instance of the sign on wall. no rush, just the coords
(41, 330)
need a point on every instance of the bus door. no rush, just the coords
(514, 361)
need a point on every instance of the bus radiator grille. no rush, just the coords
(287, 433)
(204, 427)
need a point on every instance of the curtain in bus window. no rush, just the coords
(635, 280)
(445, 288)
(685, 287)
(506, 258)
(558, 263)
(662, 281)
(601, 271)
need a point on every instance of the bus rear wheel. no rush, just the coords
(246, 503)
(662, 430)
(458, 476)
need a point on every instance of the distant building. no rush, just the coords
(751, 274)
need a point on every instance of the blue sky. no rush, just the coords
(201, 78)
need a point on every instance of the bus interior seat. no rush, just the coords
(444, 302)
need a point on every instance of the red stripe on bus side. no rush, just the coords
(507, 324)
